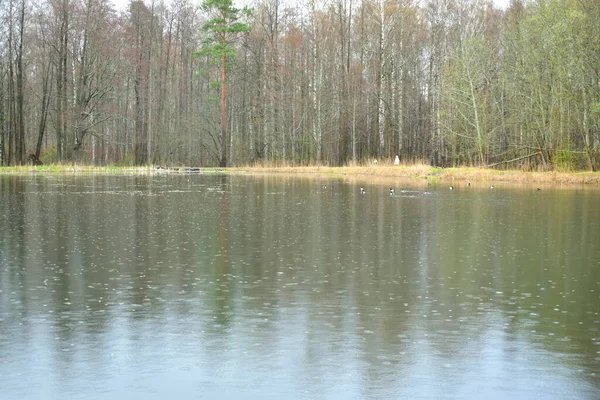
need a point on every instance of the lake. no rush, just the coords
(256, 287)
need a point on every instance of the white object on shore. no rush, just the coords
(397, 160)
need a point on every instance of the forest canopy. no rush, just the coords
(446, 82)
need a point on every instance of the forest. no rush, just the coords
(331, 82)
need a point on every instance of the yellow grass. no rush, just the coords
(550, 177)
(426, 172)
(416, 172)
(75, 169)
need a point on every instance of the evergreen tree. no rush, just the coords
(222, 29)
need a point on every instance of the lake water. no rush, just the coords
(240, 287)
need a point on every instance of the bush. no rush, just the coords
(48, 155)
(126, 161)
(567, 160)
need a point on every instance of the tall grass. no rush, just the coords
(424, 171)
(71, 168)
(415, 171)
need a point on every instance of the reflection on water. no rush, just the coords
(113, 287)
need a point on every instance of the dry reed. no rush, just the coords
(417, 171)
(423, 171)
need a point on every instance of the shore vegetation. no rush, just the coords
(415, 172)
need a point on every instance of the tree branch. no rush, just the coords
(514, 159)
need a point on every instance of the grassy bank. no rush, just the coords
(416, 172)
(419, 172)
(75, 169)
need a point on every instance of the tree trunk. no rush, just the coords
(2, 126)
(223, 111)
(20, 148)
(11, 88)
(46, 87)
(61, 79)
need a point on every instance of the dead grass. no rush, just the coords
(484, 174)
(72, 169)
(426, 172)
(415, 172)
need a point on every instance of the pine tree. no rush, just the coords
(222, 29)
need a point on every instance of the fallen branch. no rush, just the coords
(514, 159)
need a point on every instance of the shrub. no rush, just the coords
(48, 155)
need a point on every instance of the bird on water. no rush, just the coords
(362, 191)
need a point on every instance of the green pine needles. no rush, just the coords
(221, 31)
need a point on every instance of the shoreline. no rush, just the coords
(433, 174)
(412, 172)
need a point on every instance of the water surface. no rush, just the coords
(120, 287)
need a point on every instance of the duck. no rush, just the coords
(362, 191)
(392, 192)
(451, 187)
(492, 187)
(539, 189)
(468, 184)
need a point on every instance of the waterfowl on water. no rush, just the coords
(362, 191)
(492, 187)
(451, 187)
(392, 192)
(539, 189)
(468, 184)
